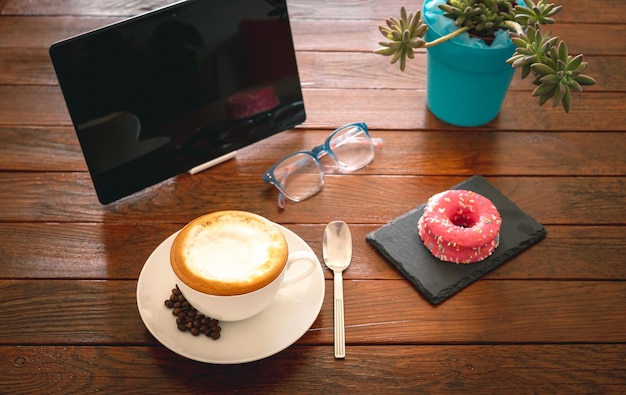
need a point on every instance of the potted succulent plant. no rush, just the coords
(474, 47)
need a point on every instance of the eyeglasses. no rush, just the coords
(300, 175)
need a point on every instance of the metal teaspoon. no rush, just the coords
(337, 250)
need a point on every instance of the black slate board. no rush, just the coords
(400, 243)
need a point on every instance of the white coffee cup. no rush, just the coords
(231, 264)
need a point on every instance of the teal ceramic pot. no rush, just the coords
(466, 82)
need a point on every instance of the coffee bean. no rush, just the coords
(188, 319)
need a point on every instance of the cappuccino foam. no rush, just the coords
(229, 253)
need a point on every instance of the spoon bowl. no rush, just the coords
(337, 246)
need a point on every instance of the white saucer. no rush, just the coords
(277, 327)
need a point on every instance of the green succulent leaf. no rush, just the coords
(563, 52)
(550, 79)
(544, 92)
(575, 86)
(542, 69)
(559, 93)
(542, 12)
(575, 63)
(567, 100)
(584, 80)
(519, 42)
(404, 35)
(385, 51)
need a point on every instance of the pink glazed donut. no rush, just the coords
(460, 226)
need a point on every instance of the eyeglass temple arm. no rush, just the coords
(281, 196)
(290, 169)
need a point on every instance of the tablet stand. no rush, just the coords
(213, 162)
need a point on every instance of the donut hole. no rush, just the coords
(464, 218)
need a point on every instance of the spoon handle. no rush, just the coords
(340, 331)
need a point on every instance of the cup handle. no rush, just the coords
(303, 272)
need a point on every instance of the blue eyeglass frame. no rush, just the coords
(316, 153)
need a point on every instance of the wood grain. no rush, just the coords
(514, 369)
(603, 11)
(549, 320)
(567, 153)
(104, 312)
(44, 105)
(591, 200)
(57, 250)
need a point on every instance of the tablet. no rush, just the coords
(167, 91)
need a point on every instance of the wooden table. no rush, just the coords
(552, 319)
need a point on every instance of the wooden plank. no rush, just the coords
(589, 112)
(527, 153)
(26, 66)
(59, 197)
(355, 36)
(33, 106)
(79, 251)
(364, 70)
(510, 369)
(45, 149)
(80, 7)
(353, 70)
(444, 152)
(105, 312)
(575, 11)
(40, 32)
(327, 108)
(342, 35)
(53, 250)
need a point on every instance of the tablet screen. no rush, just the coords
(158, 94)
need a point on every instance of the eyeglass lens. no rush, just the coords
(351, 147)
(301, 175)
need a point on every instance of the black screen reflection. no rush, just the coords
(154, 96)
